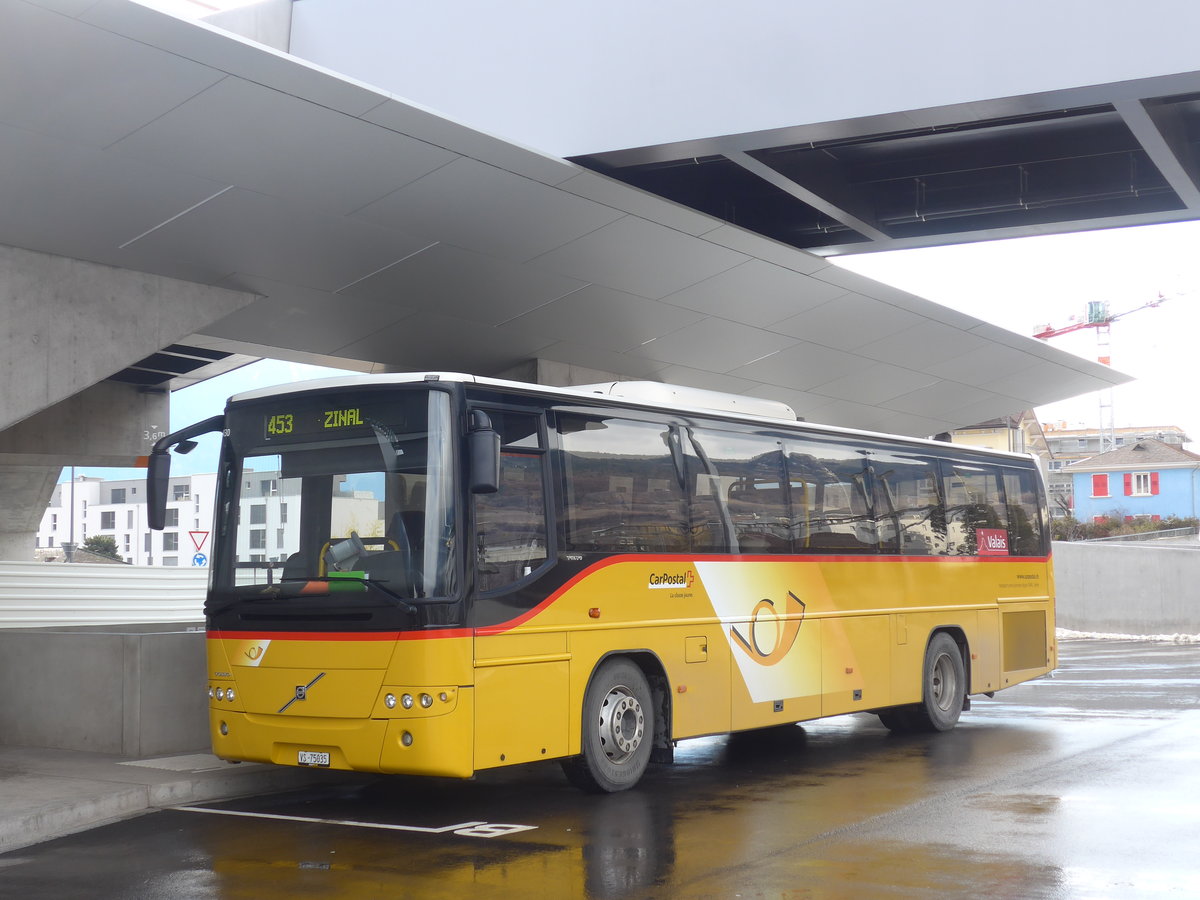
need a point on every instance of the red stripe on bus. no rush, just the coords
(510, 624)
(339, 635)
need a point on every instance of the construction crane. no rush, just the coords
(1099, 318)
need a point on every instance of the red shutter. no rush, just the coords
(1099, 485)
(1128, 484)
(1156, 518)
(1129, 518)
(1154, 482)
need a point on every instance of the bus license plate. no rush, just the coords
(313, 758)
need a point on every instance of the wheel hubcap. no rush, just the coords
(622, 724)
(943, 684)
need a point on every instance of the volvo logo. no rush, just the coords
(301, 692)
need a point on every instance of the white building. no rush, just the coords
(118, 509)
(92, 506)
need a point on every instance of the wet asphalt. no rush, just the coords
(1084, 785)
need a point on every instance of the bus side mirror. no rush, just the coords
(483, 451)
(158, 472)
(158, 479)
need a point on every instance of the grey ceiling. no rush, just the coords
(376, 231)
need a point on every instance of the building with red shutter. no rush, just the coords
(1148, 479)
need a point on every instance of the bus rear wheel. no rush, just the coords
(943, 687)
(618, 730)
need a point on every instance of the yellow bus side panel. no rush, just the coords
(521, 713)
(985, 652)
(855, 664)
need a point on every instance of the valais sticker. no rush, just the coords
(991, 542)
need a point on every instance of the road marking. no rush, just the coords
(465, 829)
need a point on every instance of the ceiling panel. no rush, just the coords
(604, 318)
(980, 367)
(69, 80)
(640, 257)
(304, 319)
(639, 203)
(874, 384)
(107, 199)
(426, 125)
(803, 365)
(482, 208)
(755, 292)
(927, 343)
(432, 341)
(848, 322)
(452, 281)
(242, 231)
(335, 163)
(723, 345)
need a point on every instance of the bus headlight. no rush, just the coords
(426, 701)
(389, 701)
(407, 701)
(229, 694)
(211, 692)
(220, 693)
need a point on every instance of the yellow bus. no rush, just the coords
(441, 574)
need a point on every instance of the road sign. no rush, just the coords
(199, 560)
(198, 538)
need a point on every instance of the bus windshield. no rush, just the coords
(340, 488)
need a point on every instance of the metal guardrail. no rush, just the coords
(37, 595)
(1146, 536)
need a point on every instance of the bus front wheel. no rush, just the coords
(618, 730)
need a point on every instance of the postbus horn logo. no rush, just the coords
(784, 628)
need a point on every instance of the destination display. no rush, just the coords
(306, 423)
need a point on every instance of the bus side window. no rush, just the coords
(621, 487)
(974, 501)
(739, 489)
(908, 510)
(510, 524)
(1025, 527)
(836, 517)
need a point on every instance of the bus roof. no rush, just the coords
(641, 394)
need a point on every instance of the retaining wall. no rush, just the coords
(135, 691)
(1128, 588)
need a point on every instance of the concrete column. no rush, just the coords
(25, 491)
(69, 324)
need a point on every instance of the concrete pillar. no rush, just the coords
(25, 491)
(69, 324)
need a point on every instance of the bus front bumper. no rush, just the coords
(406, 742)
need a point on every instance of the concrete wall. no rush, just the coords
(138, 691)
(1127, 589)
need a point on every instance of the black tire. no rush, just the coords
(618, 730)
(897, 720)
(944, 685)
